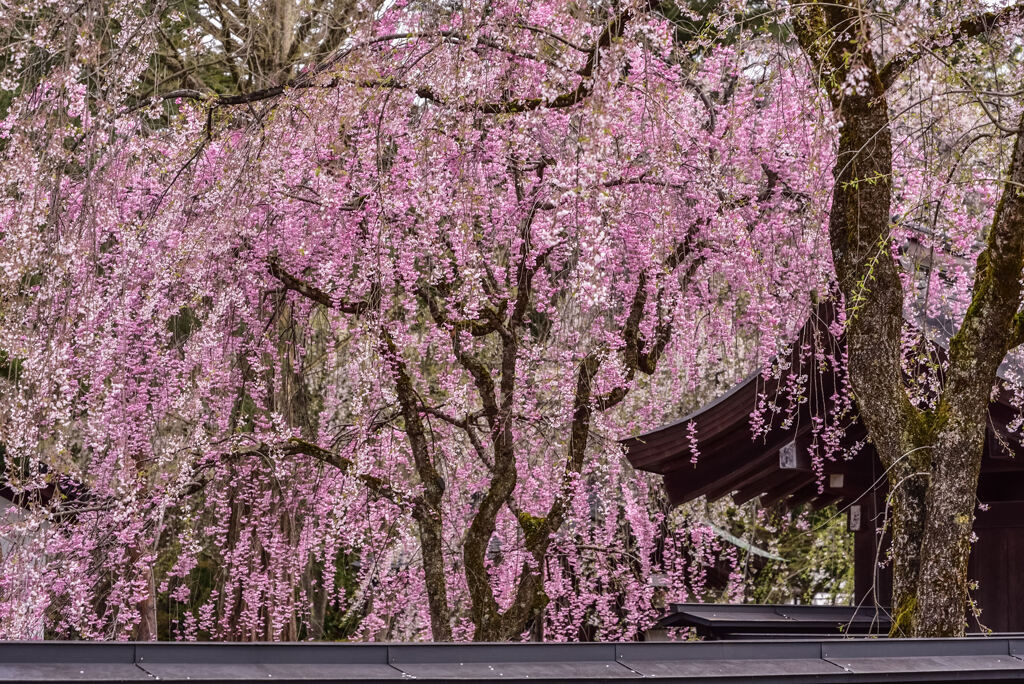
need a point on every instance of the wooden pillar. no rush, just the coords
(872, 584)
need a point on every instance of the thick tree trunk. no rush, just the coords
(933, 457)
(868, 277)
(431, 539)
(990, 328)
(941, 608)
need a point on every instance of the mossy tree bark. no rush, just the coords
(932, 457)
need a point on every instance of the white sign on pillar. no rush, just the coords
(788, 457)
(853, 518)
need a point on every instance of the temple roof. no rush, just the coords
(778, 464)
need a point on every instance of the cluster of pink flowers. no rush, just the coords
(183, 299)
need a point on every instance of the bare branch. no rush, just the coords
(612, 30)
(295, 446)
(314, 293)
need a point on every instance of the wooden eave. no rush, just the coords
(730, 461)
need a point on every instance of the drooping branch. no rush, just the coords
(426, 509)
(637, 352)
(488, 323)
(317, 295)
(612, 30)
(295, 446)
(706, 100)
(970, 27)
(539, 532)
(428, 515)
(466, 425)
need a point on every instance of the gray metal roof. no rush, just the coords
(849, 660)
(777, 621)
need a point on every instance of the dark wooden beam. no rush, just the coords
(779, 493)
(770, 482)
(686, 484)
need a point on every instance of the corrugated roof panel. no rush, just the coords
(71, 672)
(213, 662)
(75, 661)
(492, 661)
(848, 660)
(722, 659)
(925, 655)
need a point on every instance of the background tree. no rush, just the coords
(230, 48)
(469, 235)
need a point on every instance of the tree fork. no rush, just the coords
(932, 461)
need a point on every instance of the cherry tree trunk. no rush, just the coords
(431, 539)
(941, 601)
(905, 519)
(932, 455)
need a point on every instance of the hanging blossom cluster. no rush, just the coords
(304, 357)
